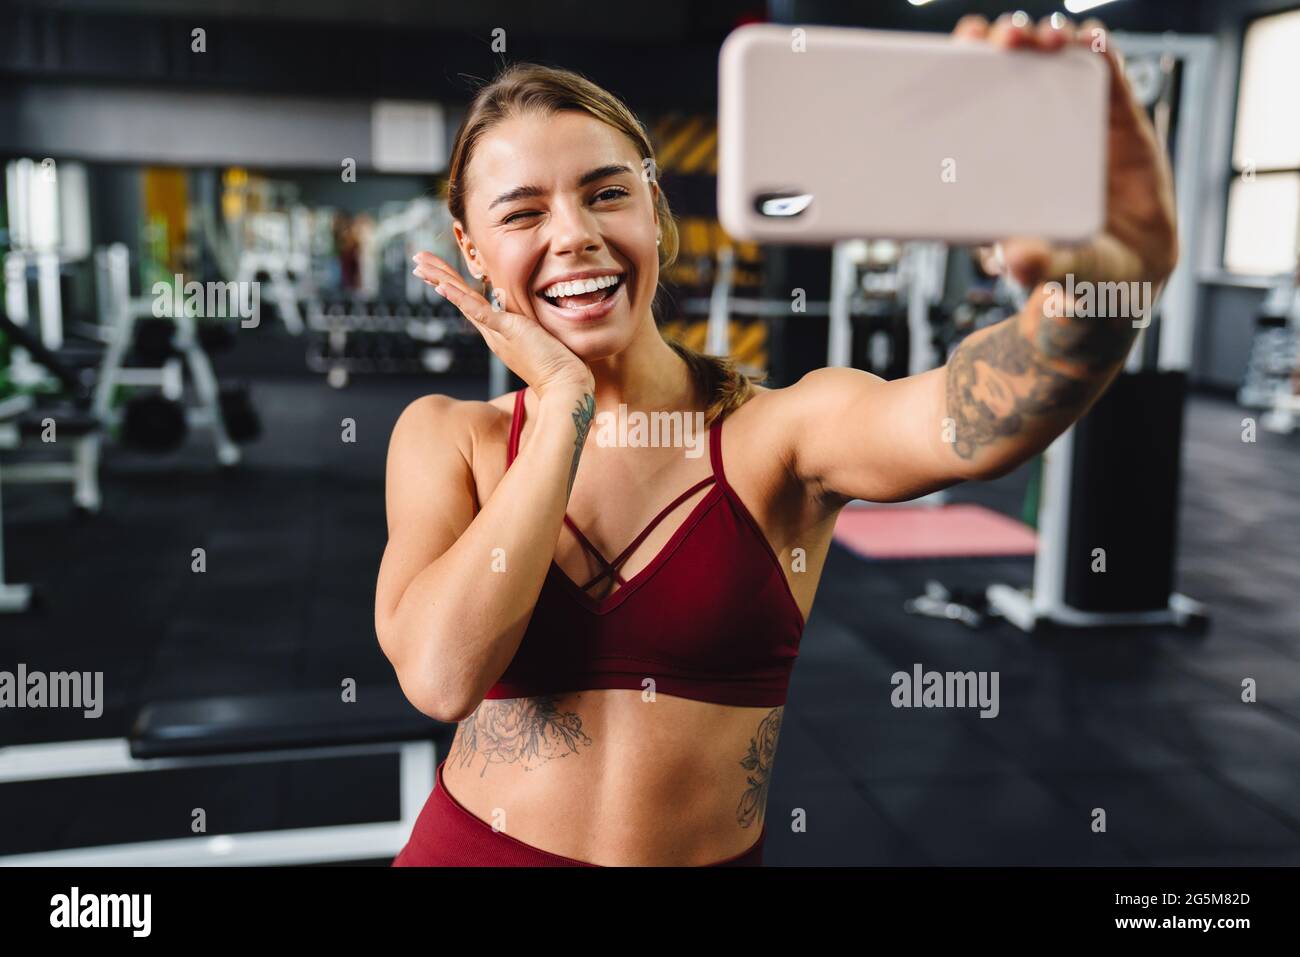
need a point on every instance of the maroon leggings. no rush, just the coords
(447, 835)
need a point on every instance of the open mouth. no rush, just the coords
(583, 296)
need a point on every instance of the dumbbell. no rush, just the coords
(242, 422)
(153, 423)
(438, 360)
(215, 335)
(354, 345)
(152, 343)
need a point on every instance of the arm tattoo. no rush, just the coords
(758, 762)
(517, 731)
(997, 380)
(1096, 343)
(582, 417)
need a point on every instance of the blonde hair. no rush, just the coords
(526, 87)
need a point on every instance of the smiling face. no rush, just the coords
(563, 223)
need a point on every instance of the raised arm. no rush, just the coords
(1006, 391)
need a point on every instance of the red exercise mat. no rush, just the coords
(943, 531)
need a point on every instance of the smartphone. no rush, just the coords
(831, 133)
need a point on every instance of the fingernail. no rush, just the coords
(1058, 21)
(1020, 19)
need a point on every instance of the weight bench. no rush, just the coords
(77, 425)
(243, 730)
(77, 428)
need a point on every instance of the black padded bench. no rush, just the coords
(296, 720)
(249, 729)
(69, 421)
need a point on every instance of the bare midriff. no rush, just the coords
(618, 777)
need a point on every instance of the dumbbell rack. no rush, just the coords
(370, 337)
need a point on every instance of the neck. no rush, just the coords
(646, 376)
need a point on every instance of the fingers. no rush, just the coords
(1028, 261)
(493, 326)
(1013, 31)
(971, 27)
(990, 259)
(449, 284)
(435, 271)
(1018, 31)
(440, 275)
(1093, 34)
(1055, 32)
(1032, 261)
(462, 300)
(1124, 107)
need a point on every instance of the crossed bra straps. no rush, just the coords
(711, 617)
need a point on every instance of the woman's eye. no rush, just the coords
(613, 192)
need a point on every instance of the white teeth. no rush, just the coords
(579, 286)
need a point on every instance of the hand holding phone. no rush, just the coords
(999, 131)
(1138, 241)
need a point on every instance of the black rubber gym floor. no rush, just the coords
(1147, 725)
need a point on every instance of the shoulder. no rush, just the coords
(437, 424)
(786, 412)
(820, 384)
(754, 445)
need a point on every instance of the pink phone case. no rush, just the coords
(834, 133)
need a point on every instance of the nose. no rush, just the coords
(573, 228)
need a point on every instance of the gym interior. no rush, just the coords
(193, 506)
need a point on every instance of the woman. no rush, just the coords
(613, 625)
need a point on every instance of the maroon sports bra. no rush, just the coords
(711, 618)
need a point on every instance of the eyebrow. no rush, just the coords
(528, 192)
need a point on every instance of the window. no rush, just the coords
(1262, 235)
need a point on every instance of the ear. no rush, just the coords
(468, 251)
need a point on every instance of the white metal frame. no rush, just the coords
(35, 201)
(718, 338)
(82, 471)
(845, 258)
(113, 277)
(922, 267)
(307, 845)
(284, 291)
(13, 597)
